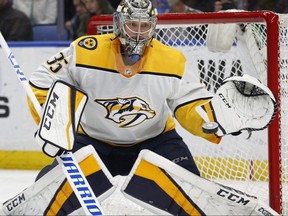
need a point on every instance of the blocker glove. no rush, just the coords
(61, 116)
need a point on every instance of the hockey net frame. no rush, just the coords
(276, 64)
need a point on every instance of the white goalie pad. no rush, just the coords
(62, 112)
(165, 188)
(241, 103)
(52, 193)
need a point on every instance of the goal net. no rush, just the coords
(257, 165)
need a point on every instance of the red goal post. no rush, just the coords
(268, 53)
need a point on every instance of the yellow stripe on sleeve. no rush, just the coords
(209, 112)
(70, 119)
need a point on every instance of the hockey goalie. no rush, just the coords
(112, 100)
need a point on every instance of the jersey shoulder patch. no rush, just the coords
(94, 50)
(88, 42)
(91, 42)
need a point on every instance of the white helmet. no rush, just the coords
(139, 13)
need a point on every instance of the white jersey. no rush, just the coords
(127, 104)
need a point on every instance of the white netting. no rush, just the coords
(239, 162)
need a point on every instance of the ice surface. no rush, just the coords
(13, 182)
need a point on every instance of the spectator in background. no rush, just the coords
(162, 6)
(205, 6)
(245, 5)
(228, 4)
(190, 3)
(114, 3)
(283, 7)
(179, 7)
(78, 24)
(69, 10)
(14, 24)
(98, 7)
(173, 6)
(38, 11)
(217, 6)
(94, 8)
(278, 6)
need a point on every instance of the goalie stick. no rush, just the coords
(83, 192)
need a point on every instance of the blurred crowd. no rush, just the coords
(278, 6)
(75, 14)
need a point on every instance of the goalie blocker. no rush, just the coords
(241, 103)
(62, 113)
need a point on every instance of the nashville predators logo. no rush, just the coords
(89, 43)
(127, 112)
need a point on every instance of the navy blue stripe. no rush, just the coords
(149, 192)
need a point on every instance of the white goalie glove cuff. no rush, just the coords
(60, 120)
(241, 103)
(220, 36)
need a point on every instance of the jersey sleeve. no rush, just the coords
(186, 97)
(59, 66)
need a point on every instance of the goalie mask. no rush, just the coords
(134, 24)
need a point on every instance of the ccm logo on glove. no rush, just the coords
(50, 111)
(224, 100)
